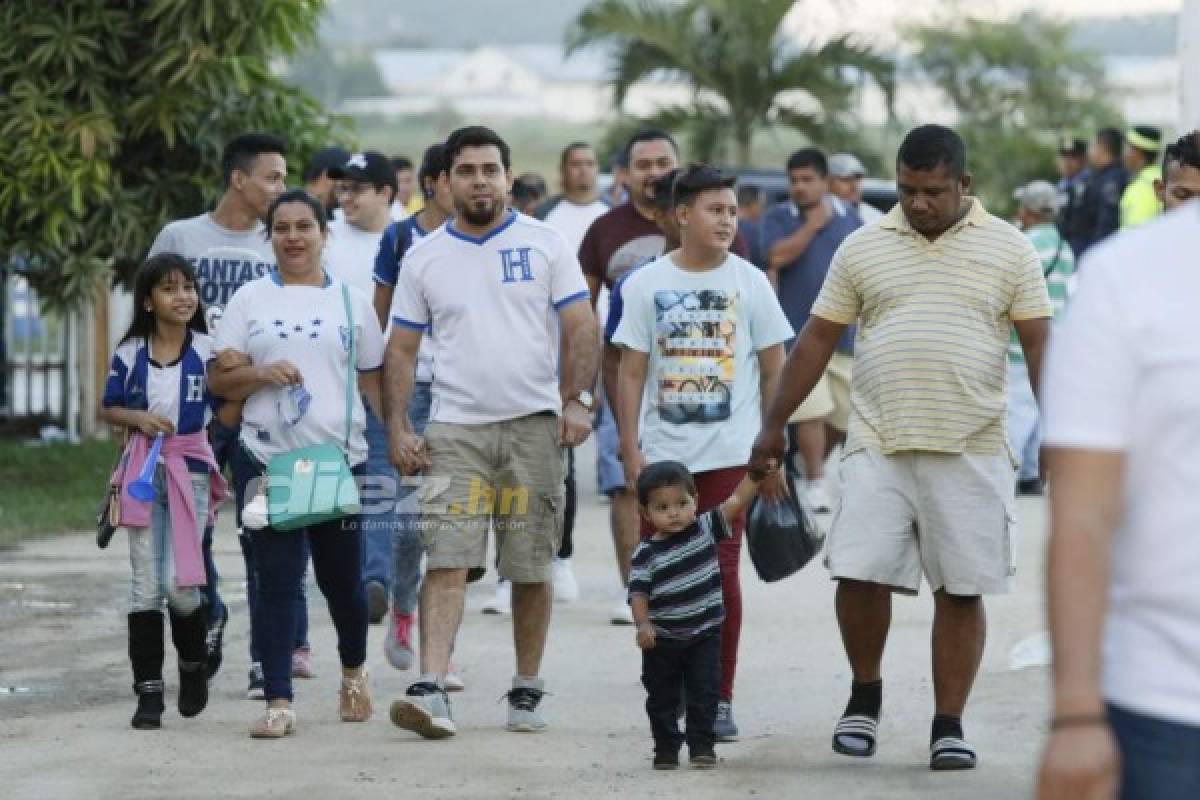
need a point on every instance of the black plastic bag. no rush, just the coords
(782, 535)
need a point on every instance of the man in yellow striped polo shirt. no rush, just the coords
(927, 477)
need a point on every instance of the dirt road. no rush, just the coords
(65, 700)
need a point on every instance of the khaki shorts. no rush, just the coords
(507, 476)
(949, 516)
(817, 406)
(838, 373)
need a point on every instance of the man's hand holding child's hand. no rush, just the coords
(645, 636)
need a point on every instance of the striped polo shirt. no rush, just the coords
(681, 578)
(930, 370)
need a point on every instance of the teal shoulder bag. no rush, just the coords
(313, 484)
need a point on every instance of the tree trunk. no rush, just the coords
(743, 139)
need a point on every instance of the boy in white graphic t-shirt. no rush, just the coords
(703, 335)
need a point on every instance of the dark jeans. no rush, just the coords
(224, 443)
(281, 558)
(671, 666)
(568, 542)
(245, 469)
(1160, 760)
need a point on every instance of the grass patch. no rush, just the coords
(51, 489)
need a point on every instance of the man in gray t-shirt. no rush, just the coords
(229, 247)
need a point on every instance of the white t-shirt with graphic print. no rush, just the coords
(305, 325)
(702, 405)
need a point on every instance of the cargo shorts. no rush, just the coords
(504, 476)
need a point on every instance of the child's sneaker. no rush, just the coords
(702, 757)
(666, 759)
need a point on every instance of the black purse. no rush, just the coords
(108, 515)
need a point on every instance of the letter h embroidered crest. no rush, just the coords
(516, 264)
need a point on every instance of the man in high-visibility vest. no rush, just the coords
(1140, 202)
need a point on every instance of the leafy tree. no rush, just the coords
(113, 116)
(745, 73)
(1018, 85)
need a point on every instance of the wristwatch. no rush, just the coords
(584, 399)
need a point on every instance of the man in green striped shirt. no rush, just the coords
(1039, 204)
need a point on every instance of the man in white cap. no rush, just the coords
(845, 180)
(1038, 205)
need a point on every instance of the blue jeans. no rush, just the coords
(1024, 422)
(281, 558)
(380, 520)
(151, 552)
(1160, 760)
(245, 469)
(407, 547)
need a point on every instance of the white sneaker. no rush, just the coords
(621, 613)
(501, 602)
(453, 680)
(818, 498)
(566, 588)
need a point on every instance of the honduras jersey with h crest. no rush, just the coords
(176, 390)
(224, 259)
(490, 305)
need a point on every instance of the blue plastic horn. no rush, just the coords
(143, 488)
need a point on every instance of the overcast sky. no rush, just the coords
(878, 18)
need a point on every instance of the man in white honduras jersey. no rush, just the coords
(487, 286)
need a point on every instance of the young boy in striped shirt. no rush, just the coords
(675, 593)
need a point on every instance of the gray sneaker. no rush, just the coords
(523, 700)
(724, 728)
(424, 710)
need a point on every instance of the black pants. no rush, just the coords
(568, 544)
(671, 666)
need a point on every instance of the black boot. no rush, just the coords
(189, 635)
(146, 656)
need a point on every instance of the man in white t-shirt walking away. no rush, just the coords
(365, 186)
(1122, 422)
(571, 214)
(487, 287)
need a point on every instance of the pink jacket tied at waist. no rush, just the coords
(181, 503)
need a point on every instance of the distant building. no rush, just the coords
(517, 81)
(537, 80)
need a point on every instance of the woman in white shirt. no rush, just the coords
(292, 325)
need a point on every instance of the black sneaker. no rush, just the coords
(216, 636)
(666, 759)
(256, 688)
(1031, 487)
(377, 602)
